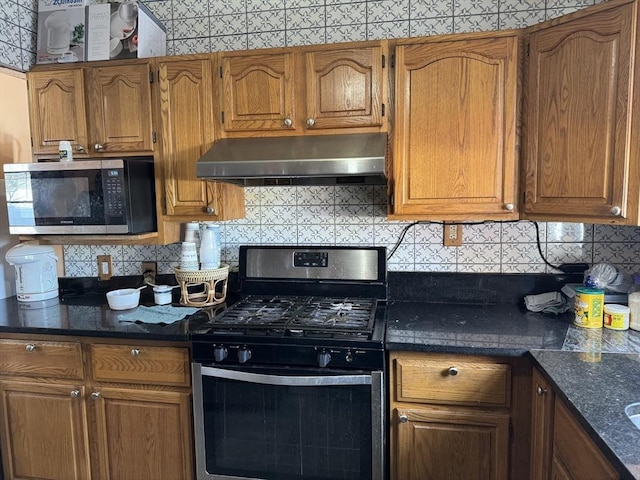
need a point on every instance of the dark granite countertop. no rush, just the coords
(598, 387)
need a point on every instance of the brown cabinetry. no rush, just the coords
(455, 139)
(188, 130)
(82, 410)
(303, 90)
(560, 448)
(579, 138)
(101, 110)
(450, 416)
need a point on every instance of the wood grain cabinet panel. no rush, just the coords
(57, 110)
(36, 358)
(140, 364)
(578, 138)
(542, 405)
(44, 431)
(143, 434)
(455, 145)
(188, 130)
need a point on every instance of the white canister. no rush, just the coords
(65, 151)
(162, 294)
(616, 317)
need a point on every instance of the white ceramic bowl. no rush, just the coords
(123, 299)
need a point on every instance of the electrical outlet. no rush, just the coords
(105, 267)
(149, 270)
(452, 235)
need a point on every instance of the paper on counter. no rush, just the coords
(157, 314)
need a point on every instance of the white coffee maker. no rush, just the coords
(36, 271)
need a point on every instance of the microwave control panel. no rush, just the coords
(114, 192)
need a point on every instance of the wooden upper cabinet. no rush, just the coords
(580, 154)
(57, 110)
(455, 145)
(188, 130)
(344, 88)
(120, 101)
(257, 92)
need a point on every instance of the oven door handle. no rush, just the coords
(285, 380)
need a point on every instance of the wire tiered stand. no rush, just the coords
(212, 283)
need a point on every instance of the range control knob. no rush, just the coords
(244, 354)
(349, 356)
(220, 353)
(323, 359)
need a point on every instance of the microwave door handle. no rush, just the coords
(286, 380)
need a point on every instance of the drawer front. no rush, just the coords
(140, 364)
(452, 380)
(41, 359)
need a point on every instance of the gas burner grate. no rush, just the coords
(299, 315)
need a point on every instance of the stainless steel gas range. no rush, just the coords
(288, 381)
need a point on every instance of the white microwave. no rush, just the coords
(106, 196)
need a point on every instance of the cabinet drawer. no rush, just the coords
(140, 364)
(41, 359)
(452, 380)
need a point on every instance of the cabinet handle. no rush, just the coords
(453, 371)
(98, 147)
(135, 352)
(30, 347)
(75, 393)
(79, 148)
(287, 122)
(508, 207)
(403, 418)
(541, 391)
(95, 395)
(310, 122)
(210, 210)
(616, 211)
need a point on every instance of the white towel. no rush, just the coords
(550, 302)
(157, 314)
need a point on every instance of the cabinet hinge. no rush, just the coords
(391, 199)
(222, 117)
(510, 430)
(150, 77)
(383, 109)
(528, 48)
(154, 137)
(393, 60)
(384, 61)
(220, 71)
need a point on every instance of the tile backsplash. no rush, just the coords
(343, 215)
(356, 215)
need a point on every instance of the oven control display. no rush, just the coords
(310, 259)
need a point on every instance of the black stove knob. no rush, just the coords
(244, 354)
(220, 353)
(323, 359)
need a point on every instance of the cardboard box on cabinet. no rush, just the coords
(123, 30)
(61, 31)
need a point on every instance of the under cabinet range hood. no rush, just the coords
(349, 159)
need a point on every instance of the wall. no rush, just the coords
(356, 215)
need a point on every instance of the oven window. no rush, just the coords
(287, 432)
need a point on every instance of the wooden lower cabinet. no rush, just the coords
(44, 428)
(560, 448)
(109, 414)
(143, 433)
(446, 443)
(458, 417)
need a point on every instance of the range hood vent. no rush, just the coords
(350, 159)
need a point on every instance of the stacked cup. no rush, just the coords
(189, 256)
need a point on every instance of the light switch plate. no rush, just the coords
(105, 268)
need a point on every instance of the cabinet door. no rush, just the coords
(344, 88)
(444, 443)
(577, 117)
(258, 92)
(186, 109)
(541, 427)
(44, 434)
(120, 109)
(455, 135)
(57, 110)
(143, 434)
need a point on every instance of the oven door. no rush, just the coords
(285, 424)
